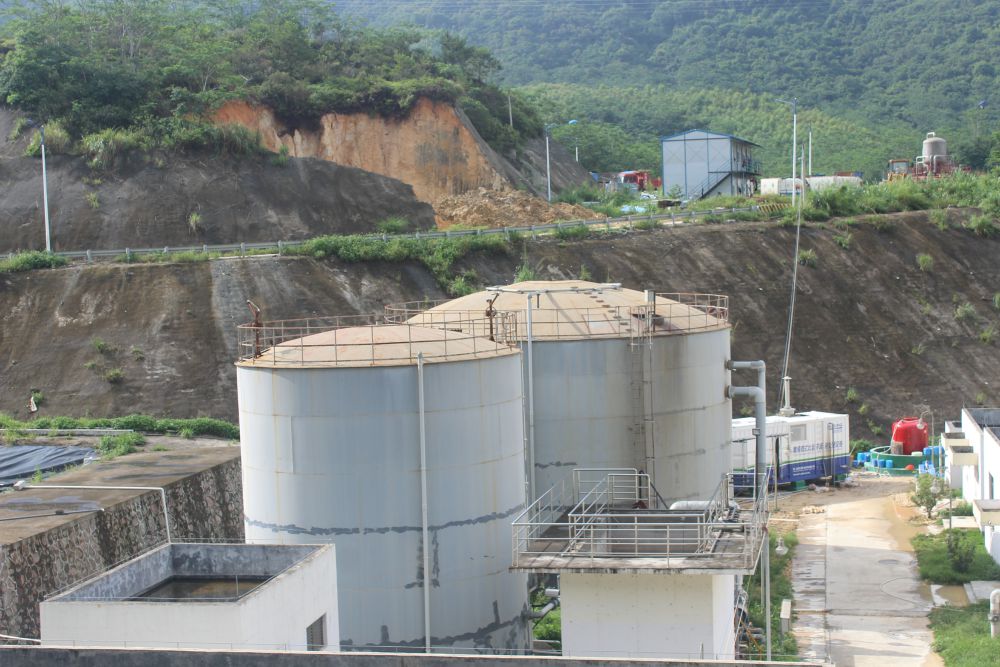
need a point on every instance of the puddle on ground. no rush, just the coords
(900, 527)
(953, 596)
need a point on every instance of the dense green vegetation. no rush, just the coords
(141, 423)
(32, 259)
(957, 560)
(962, 636)
(891, 70)
(122, 75)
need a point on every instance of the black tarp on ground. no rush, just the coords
(21, 461)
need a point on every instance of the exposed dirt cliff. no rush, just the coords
(156, 200)
(867, 317)
(434, 148)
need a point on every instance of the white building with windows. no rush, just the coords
(209, 596)
(972, 456)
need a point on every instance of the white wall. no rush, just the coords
(273, 616)
(647, 615)
(976, 479)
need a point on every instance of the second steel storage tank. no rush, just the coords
(403, 446)
(613, 378)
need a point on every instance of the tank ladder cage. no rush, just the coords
(596, 516)
(673, 313)
(297, 342)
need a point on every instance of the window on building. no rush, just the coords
(316, 634)
(799, 433)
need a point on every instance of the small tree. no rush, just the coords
(961, 551)
(928, 492)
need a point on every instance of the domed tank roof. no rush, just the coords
(934, 145)
(358, 346)
(580, 309)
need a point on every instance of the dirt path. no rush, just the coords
(857, 593)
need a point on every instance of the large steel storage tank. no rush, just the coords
(335, 422)
(614, 378)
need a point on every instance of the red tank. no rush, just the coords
(911, 434)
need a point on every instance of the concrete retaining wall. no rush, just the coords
(43, 657)
(207, 504)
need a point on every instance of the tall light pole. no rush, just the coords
(795, 119)
(548, 165)
(576, 143)
(45, 193)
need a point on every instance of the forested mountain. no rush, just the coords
(902, 67)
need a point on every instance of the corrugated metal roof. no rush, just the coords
(714, 134)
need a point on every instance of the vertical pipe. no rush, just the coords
(423, 504)
(533, 493)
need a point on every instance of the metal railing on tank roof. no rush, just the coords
(359, 340)
(588, 524)
(672, 313)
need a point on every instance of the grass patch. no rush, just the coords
(572, 232)
(112, 446)
(32, 259)
(93, 200)
(393, 225)
(982, 225)
(807, 257)
(852, 395)
(937, 567)
(843, 240)
(101, 346)
(939, 218)
(925, 262)
(438, 255)
(987, 335)
(964, 311)
(962, 636)
(134, 422)
(114, 376)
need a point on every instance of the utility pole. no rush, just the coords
(810, 151)
(794, 102)
(45, 194)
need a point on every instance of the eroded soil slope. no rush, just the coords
(167, 199)
(866, 317)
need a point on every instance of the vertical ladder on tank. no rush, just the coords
(640, 376)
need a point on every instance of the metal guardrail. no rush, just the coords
(622, 516)
(673, 313)
(298, 343)
(279, 247)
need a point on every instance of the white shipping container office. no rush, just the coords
(703, 164)
(808, 445)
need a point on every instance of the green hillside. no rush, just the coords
(141, 74)
(892, 69)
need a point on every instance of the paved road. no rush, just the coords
(856, 589)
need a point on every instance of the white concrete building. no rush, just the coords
(972, 456)
(641, 576)
(221, 596)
